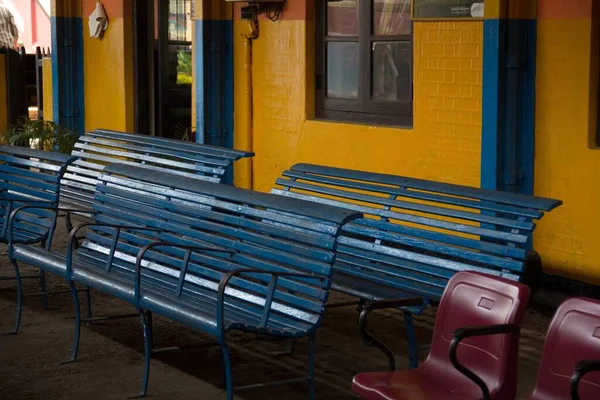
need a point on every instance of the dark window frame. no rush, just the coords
(364, 109)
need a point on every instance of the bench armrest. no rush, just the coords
(73, 244)
(466, 332)
(186, 261)
(372, 305)
(582, 368)
(13, 213)
(275, 275)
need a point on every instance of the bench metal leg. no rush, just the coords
(370, 340)
(43, 289)
(311, 365)
(413, 348)
(19, 299)
(227, 370)
(309, 378)
(88, 302)
(76, 336)
(68, 223)
(289, 349)
(146, 318)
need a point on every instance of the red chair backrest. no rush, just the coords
(474, 299)
(573, 336)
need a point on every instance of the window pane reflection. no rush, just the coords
(342, 18)
(391, 17)
(342, 70)
(391, 75)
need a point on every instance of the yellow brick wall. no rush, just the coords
(565, 166)
(444, 143)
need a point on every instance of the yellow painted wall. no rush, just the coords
(444, 144)
(108, 69)
(565, 165)
(47, 84)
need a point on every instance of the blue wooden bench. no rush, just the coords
(29, 176)
(416, 234)
(210, 256)
(99, 148)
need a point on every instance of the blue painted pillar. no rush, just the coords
(213, 63)
(508, 129)
(67, 65)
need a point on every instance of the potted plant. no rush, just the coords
(39, 134)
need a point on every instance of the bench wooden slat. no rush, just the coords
(29, 177)
(414, 194)
(27, 180)
(103, 154)
(51, 157)
(404, 205)
(321, 226)
(401, 280)
(30, 174)
(254, 232)
(293, 254)
(43, 195)
(424, 245)
(172, 144)
(462, 228)
(26, 162)
(209, 278)
(102, 246)
(515, 199)
(99, 148)
(106, 146)
(408, 255)
(464, 242)
(108, 158)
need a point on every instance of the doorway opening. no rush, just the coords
(163, 68)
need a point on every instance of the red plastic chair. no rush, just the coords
(573, 337)
(476, 335)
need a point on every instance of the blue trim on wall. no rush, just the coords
(79, 89)
(490, 103)
(67, 73)
(529, 105)
(214, 84)
(55, 80)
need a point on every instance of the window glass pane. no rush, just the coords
(180, 23)
(391, 17)
(342, 18)
(391, 72)
(180, 65)
(342, 70)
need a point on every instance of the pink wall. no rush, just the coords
(32, 18)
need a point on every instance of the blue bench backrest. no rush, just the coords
(29, 177)
(97, 149)
(264, 231)
(419, 233)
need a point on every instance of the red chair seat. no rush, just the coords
(414, 384)
(573, 336)
(472, 300)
